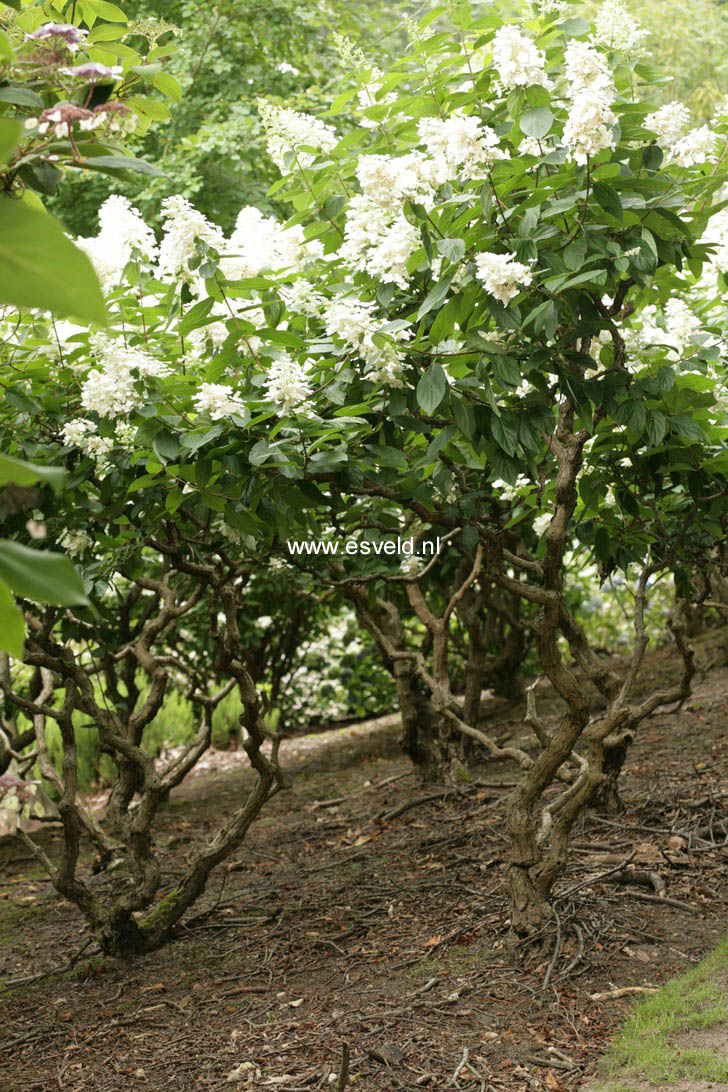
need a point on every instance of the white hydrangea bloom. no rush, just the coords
(541, 523)
(532, 146)
(302, 297)
(509, 492)
(668, 123)
(716, 234)
(411, 565)
(517, 60)
(587, 70)
(109, 390)
(288, 130)
(84, 435)
(75, 543)
(74, 432)
(288, 385)
(218, 400)
(388, 259)
(680, 323)
(261, 243)
(121, 231)
(502, 274)
(460, 143)
(366, 223)
(377, 241)
(391, 180)
(183, 224)
(354, 321)
(616, 29)
(125, 434)
(588, 129)
(695, 148)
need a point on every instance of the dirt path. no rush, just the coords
(363, 922)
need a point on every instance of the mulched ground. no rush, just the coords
(361, 913)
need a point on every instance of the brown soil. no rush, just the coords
(344, 922)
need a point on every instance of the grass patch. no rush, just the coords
(655, 1043)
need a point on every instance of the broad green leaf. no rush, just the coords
(168, 85)
(9, 136)
(106, 10)
(453, 249)
(435, 295)
(431, 389)
(12, 625)
(41, 576)
(21, 96)
(19, 472)
(113, 163)
(40, 266)
(608, 198)
(536, 123)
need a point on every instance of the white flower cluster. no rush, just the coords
(695, 148)
(616, 29)
(218, 400)
(678, 325)
(302, 297)
(354, 321)
(689, 149)
(502, 274)
(109, 390)
(183, 225)
(586, 69)
(84, 435)
(459, 143)
(517, 60)
(378, 240)
(75, 543)
(668, 123)
(510, 492)
(260, 243)
(122, 232)
(288, 131)
(541, 523)
(589, 126)
(288, 385)
(716, 234)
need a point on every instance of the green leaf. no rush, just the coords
(9, 136)
(21, 96)
(41, 576)
(575, 254)
(608, 198)
(19, 472)
(431, 389)
(6, 50)
(12, 626)
(196, 316)
(388, 456)
(574, 27)
(166, 446)
(504, 434)
(536, 123)
(40, 267)
(120, 163)
(168, 85)
(434, 296)
(105, 10)
(464, 418)
(452, 249)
